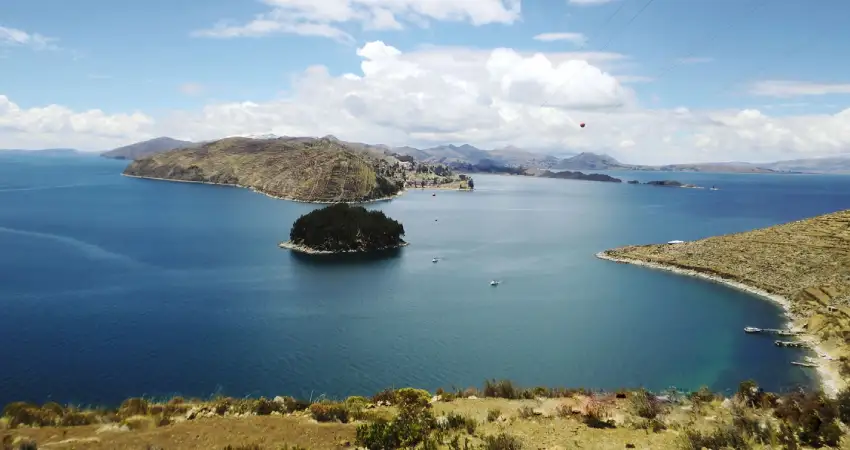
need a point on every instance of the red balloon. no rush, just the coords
(581, 124)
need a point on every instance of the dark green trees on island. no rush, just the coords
(343, 228)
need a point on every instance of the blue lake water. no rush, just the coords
(113, 287)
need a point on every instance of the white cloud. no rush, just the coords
(695, 60)
(191, 89)
(574, 38)
(785, 88)
(437, 95)
(35, 41)
(58, 126)
(325, 17)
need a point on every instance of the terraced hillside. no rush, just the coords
(806, 262)
(304, 169)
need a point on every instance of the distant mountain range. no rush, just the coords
(508, 159)
(147, 148)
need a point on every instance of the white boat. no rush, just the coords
(676, 242)
(752, 330)
(434, 260)
(494, 283)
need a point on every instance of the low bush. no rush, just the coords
(725, 437)
(133, 407)
(597, 415)
(455, 421)
(843, 402)
(386, 396)
(493, 414)
(812, 415)
(702, 395)
(329, 412)
(525, 412)
(502, 442)
(501, 389)
(645, 404)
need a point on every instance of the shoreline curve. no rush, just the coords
(289, 245)
(830, 379)
(277, 197)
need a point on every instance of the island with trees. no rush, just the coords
(341, 228)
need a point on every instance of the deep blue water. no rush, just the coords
(113, 287)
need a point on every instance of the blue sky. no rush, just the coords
(121, 57)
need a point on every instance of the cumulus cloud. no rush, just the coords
(58, 126)
(20, 38)
(785, 88)
(574, 38)
(325, 17)
(487, 98)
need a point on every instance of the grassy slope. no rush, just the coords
(807, 262)
(318, 170)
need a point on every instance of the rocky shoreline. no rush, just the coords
(381, 199)
(830, 378)
(289, 245)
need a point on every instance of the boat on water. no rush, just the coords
(714, 188)
(494, 283)
(752, 330)
(676, 241)
(434, 260)
(804, 364)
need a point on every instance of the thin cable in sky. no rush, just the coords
(677, 62)
(611, 39)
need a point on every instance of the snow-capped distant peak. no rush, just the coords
(259, 136)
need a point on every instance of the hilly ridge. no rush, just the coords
(303, 169)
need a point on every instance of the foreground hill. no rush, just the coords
(147, 148)
(304, 169)
(499, 417)
(806, 263)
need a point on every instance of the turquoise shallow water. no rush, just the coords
(113, 286)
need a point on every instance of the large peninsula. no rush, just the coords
(322, 170)
(802, 265)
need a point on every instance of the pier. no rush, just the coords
(795, 344)
(772, 331)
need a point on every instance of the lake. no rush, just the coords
(113, 287)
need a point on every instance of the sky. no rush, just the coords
(655, 81)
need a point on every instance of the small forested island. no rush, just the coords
(341, 228)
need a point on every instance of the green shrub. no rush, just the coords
(811, 414)
(493, 414)
(264, 407)
(749, 393)
(501, 389)
(644, 404)
(843, 401)
(455, 421)
(387, 396)
(525, 412)
(597, 415)
(133, 407)
(725, 437)
(702, 395)
(502, 442)
(329, 412)
(23, 413)
(75, 418)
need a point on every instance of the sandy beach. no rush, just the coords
(827, 370)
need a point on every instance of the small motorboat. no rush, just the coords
(494, 283)
(433, 195)
(435, 260)
(752, 330)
